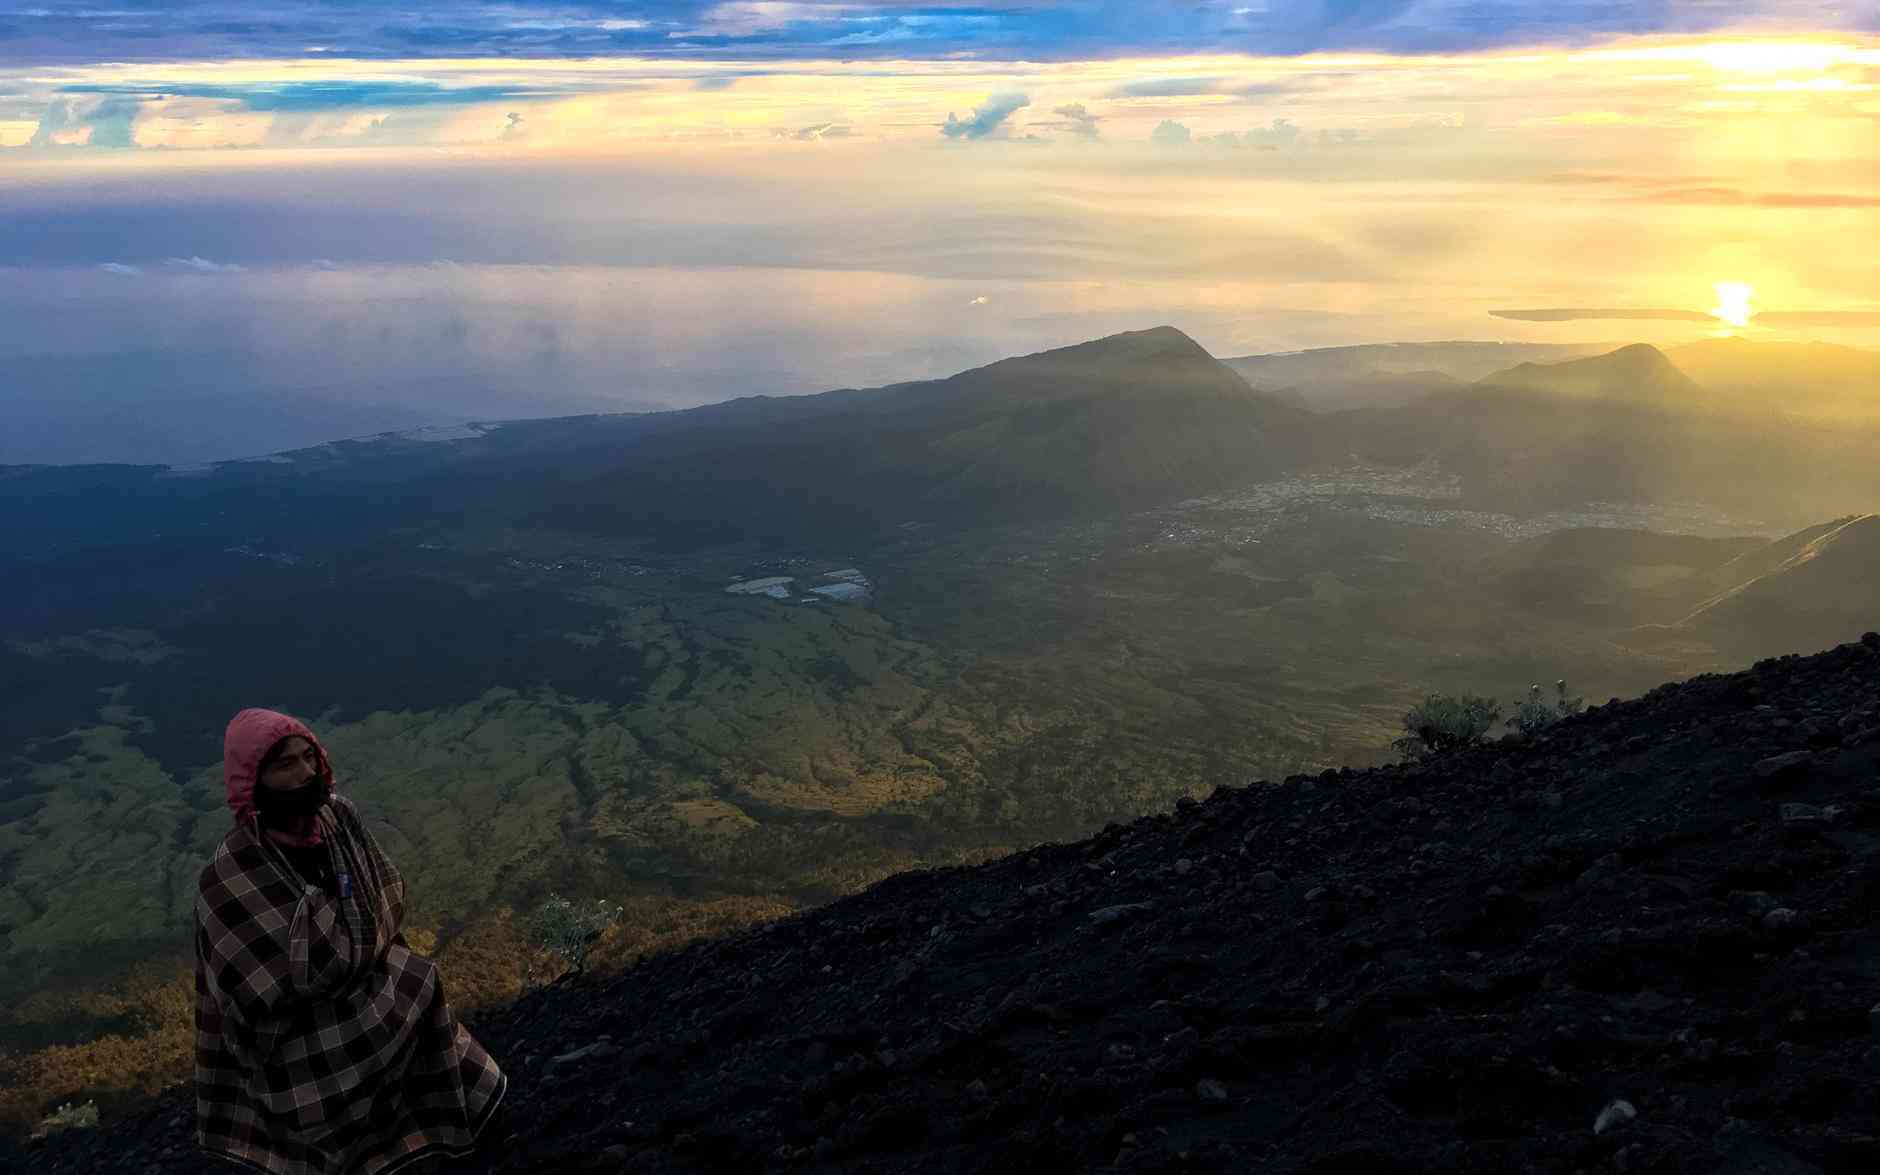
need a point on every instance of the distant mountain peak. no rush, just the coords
(1737, 344)
(1161, 363)
(1635, 371)
(1632, 356)
(1643, 353)
(1163, 332)
(1159, 342)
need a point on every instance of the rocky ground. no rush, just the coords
(1645, 942)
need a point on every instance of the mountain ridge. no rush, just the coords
(1115, 423)
(1121, 422)
(1627, 425)
(1620, 374)
(1379, 375)
(1399, 368)
(1821, 579)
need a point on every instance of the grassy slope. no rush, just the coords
(1004, 687)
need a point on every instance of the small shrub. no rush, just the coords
(1441, 723)
(1535, 713)
(67, 1117)
(570, 931)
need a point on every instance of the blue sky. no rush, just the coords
(82, 31)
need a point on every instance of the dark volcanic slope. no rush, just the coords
(1445, 967)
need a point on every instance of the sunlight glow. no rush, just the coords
(1750, 56)
(1773, 56)
(1733, 302)
(1634, 174)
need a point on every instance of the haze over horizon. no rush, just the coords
(232, 236)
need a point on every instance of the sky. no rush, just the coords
(231, 228)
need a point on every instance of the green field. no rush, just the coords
(526, 712)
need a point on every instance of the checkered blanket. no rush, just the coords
(324, 1046)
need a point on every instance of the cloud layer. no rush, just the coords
(46, 31)
(986, 119)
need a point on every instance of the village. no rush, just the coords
(1423, 495)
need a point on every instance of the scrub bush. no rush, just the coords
(67, 1117)
(1535, 713)
(1441, 723)
(570, 931)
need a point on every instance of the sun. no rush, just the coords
(1733, 302)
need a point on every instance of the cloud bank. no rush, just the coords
(71, 31)
(1768, 318)
(987, 118)
(1575, 314)
(1077, 121)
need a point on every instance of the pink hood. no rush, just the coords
(250, 735)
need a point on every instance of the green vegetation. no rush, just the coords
(1534, 713)
(67, 1117)
(552, 713)
(1440, 724)
(729, 749)
(525, 713)
(570, 931)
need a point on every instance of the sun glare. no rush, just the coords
(1772, 56)
(1733, 302)
(1787, 56)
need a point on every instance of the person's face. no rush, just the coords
(295, 767)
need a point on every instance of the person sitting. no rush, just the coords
(324, 1044)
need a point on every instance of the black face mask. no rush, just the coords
(292, 807)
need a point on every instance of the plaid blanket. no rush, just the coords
(324, 1046)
